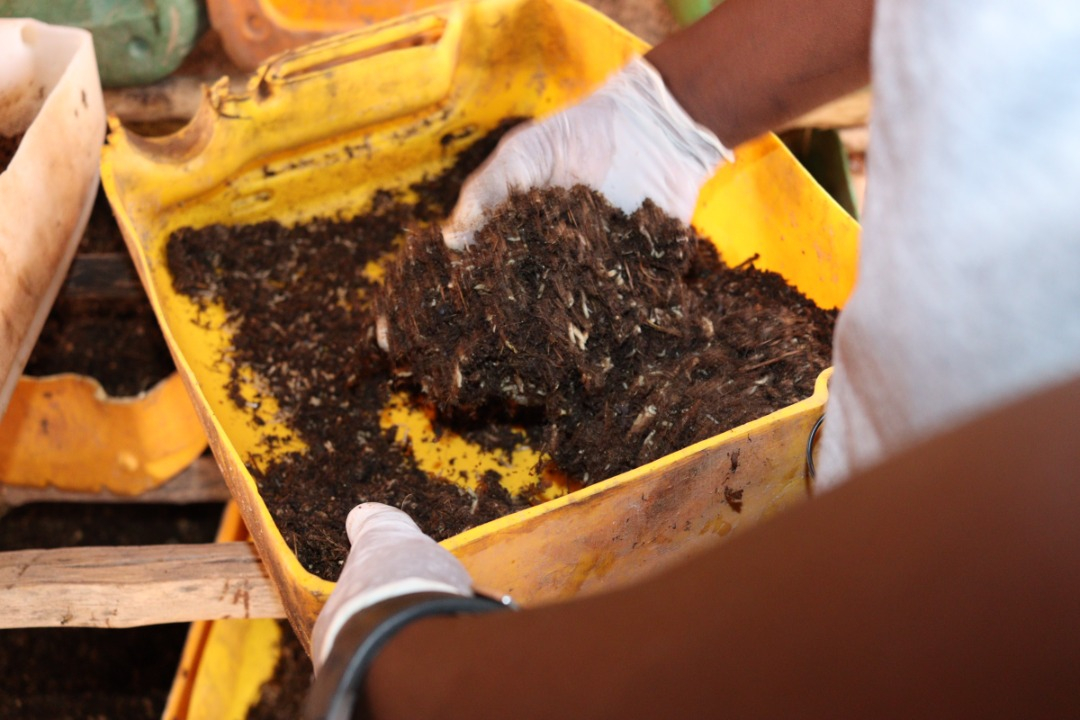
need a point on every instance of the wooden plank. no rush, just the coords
(200, 482)
(115, 587)
(102, 276)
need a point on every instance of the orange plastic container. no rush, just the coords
(64, 432)
(224, 662)
(253, 30)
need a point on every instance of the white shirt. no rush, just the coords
(969, 273)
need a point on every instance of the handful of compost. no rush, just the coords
(562, 305)
(556, 291)
(587, 301)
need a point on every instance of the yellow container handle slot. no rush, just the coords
(288, 96)
(432, 34)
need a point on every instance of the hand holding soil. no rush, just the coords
(607, 326)
(630, 140)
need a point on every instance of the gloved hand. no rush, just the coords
(630, 140)
(390, 556)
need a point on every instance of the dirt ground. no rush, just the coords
(75, 673)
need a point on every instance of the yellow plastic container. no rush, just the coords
(253, 30)
(284, 149)
(64, 432)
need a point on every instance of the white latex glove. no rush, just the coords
(390, 556)
(630, 140)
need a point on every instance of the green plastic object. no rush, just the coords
(136, 41)
(687, 12)
(824, 157)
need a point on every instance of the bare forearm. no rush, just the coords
(942, 584)
(751, 65)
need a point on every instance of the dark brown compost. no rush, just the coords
(114, 339)
(282, 696)
(627, 334)
(71, 673)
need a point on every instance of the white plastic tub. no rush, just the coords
(50, 94)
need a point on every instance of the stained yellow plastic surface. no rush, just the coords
(320, 130)
(65, 432)
(589, 539)
(436, 452)
(224, 662)
(253, 30)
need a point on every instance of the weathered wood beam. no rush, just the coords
(115, 587)
(102, 276)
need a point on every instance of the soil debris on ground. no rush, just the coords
(72, 673)
(612, 326)
(118, 343)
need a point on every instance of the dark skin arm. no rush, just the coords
(751, 65)
(940, 584)
(944, 583)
